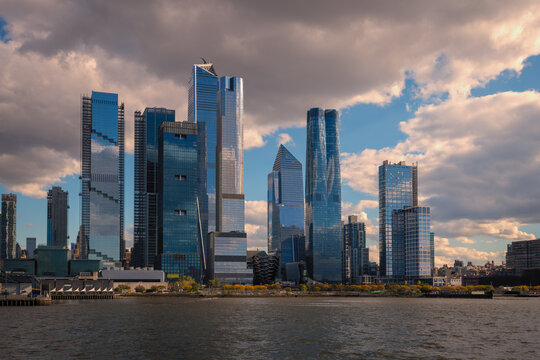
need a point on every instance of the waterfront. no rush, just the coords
(394, 328)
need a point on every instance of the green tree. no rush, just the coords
(140, 289)
(303, 287)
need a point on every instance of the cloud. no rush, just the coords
(256, 224)
(291, 58)
(446, 254)
(128, 236)
(284, 139)
(467, 150)
(464, 240)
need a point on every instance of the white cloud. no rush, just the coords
(285, 139)
(256, 225)
(446, 254)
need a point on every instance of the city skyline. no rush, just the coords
(441, 105)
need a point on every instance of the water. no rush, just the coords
(279, 328)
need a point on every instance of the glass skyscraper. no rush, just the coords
(230, 155)
(8, 221)
(355, 252)
(57, 217)
(145, 232)
(102, 175)
(411, 240)
(323, 196)
(398, 189)
(202, 108)
(285, 200)
(179, 228)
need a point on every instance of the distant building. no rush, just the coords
(57, 217)
(227, 258)
(8, 221)
(145, 231)
(230, 156)
(265, 268)
(285, 200)
(355, 252)
(102, 175)
(81, 246)
(411, 243)
(323, 196)
(398, 189)
(523, 255)
(180, 246)
(52, 261)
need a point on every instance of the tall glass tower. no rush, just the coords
(8, 221)
(355, 252)
(202, 108)
(145, 232)
(179, 229)
(285, 200)
(411, 238)
(398, 189)
(57, 217)
(323, 196)
(102, 175)
(230, 155)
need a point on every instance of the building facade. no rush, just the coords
(230, 156)
(145, 227)
(102, 175)
(523, 255)
(57, 217)
(323, 196)
(355, 252)
(398, 189)
(30, 247)
(411, 244)
(8, 233)
(285, 201)
(180, 246)
(228, 258)
(202, 108)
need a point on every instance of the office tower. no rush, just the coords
(397, 190)
(323, 196)
(145, 229)
(9, 226)
(180, 247)
(411, 243)
(30, 247)
(227, 258)
(230, 156)
(57, 217)
(202, 108)
(432, 246)
(523, 256)
(102, 175)
(293, 249)
(81, 244)
(355, 252)
(285, 199)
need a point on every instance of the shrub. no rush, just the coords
(303, 287)
(140, 289)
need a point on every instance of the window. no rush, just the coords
(180, 177)
(180, 212)
(181, 136)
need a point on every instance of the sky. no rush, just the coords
(453, 86)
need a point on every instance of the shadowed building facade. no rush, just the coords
(8, 221)
(102, 175)
(57, 217)
(398, 189)
(285, 202)
(355, 252)
(323, 196)
(145, 230)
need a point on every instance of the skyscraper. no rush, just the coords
(230, 156)
(411, 243)
(30, 247)
(323, 196)
(285, 199)
(398, 189)
(202, 108)
(57, 217)
(9, 226)
(102, 175)
(180, 247)
(355, 252)
(145, 231)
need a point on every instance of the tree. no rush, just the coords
(140, 289)
(303, 287)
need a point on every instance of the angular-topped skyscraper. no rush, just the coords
(102, 175)
(323, 196)
(57, 217)
(230, 156)
(398, 189)
(202, 108)
(145, 232)
(285, 199)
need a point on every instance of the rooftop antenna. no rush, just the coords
(204, 61)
